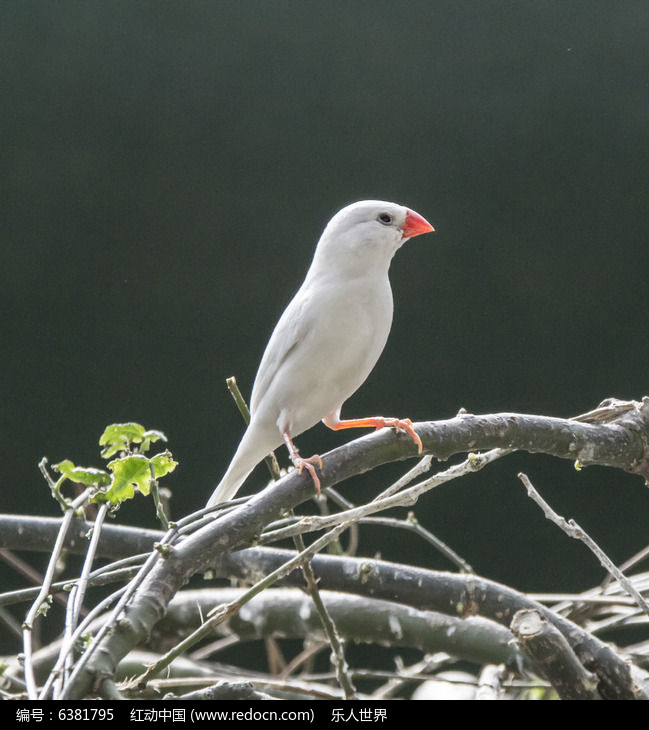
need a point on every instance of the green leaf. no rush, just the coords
(89, 476)
(134, 472)
(129, 473)
(150, 437)
(163, 464)
(119, 437)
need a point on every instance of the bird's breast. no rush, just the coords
(340, 346)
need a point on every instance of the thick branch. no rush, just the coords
(620, 443)
(289, 613)
(548, 648)
(26, 532)
(450, 593)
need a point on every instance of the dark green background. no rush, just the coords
(168, 167)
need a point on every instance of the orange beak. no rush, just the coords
(415, 225)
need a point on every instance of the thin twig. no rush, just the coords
(81, 586)
(26, 570)
(404, 498)
(30, 680)
(421, 467)
(100, 577)
(77, 594)
(336, 548)
(157, 501)
(78, 633)
(274, 655)
(273, 534)
(203, 652)
(627, 619)
(55, 487)
(572, 529)
(336, 643)
(271, 459)
(10, 622)
(416, 672)
(306, 655)
(629, 563)
(412, 525)
(576, 598)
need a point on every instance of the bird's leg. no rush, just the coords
(401, 424)
(299, 463)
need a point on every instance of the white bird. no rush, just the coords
(328, 339)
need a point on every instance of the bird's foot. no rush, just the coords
(300, 464)
(401, 424)
(309, 464)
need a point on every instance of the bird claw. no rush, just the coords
(403, 424)
(299, 463)
(309, 465)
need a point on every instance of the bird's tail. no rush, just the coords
(252, 449)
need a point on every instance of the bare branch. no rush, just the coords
(550, 651)
(455, 594)
(41, 600)
(572, 529)
(288, 612)
(222, 691)
(620, 441)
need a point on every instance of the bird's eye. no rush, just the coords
(385, 218)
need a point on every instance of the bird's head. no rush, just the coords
(367, 234)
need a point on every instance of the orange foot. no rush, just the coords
(401, 424)
(299, 463)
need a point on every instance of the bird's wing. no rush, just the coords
(292, 328)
